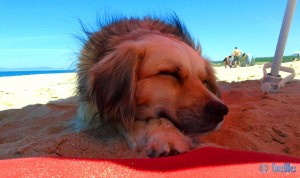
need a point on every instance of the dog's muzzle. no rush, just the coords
(200, 119)
(216, 110)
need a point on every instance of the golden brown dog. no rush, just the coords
(146, 77)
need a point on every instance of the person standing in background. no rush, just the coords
(248, 57)
(237, 54)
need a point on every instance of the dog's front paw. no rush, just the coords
(164, 139)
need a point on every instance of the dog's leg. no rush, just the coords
(157, 137)
(86, 115)
(164, 139)
(127, 135)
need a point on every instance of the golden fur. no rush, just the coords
(147, 74)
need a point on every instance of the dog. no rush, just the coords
(147, 78)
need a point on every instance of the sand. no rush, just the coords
(33, 123)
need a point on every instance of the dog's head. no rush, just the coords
(151, 75)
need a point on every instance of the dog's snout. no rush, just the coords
(217, 109)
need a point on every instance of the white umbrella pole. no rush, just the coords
(272, 81)
(285, 28)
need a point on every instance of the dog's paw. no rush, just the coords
(164, 139)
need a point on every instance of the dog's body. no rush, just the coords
(147, 78)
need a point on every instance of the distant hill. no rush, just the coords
(258, 60)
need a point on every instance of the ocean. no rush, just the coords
(18, 73)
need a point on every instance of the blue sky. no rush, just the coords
(37, 33)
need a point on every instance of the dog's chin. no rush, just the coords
(195, 126)
(203, 130)
(212, 129)
(209, 130)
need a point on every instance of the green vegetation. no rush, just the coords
(258, 60)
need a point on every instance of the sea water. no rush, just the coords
(18, 73)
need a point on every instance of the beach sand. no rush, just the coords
(32, 126)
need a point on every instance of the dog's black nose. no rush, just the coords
(216, 109)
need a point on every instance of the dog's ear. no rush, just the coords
(212, 80)
(112, 83)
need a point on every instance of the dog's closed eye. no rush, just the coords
(205, 82)
(176, 75)
(173, 74)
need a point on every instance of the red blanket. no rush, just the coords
(204, 162)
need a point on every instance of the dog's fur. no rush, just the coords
(146, 77)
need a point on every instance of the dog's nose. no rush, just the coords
(216, 109)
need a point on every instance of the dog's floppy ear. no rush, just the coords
(212, 80)
(112, 83)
